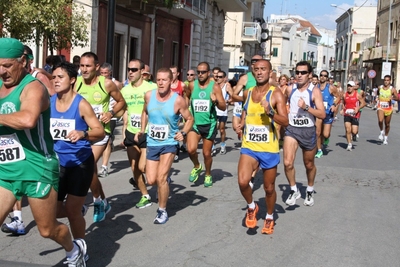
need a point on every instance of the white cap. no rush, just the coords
(351, 83)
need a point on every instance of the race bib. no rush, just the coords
(325, 105)
(11, 149)
(59, 128)
(201, 105)
(136, 120)
(301, 121)
(350, 111)
(257, 134)
(237, 109)
(98, 109)
(158, 131)
(384, 104)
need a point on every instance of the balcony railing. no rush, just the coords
(251, 32)
(380, 53)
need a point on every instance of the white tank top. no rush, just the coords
(297, 116)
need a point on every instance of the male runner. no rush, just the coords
(222, 115)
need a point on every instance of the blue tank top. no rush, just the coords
(328, 99)
(70, 154)
(163, 121)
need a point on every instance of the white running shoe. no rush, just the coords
(380, 137)
(162, 217)
(79, 260)
(293, 196)
(309, 200)
(349, 147)
(15, 227)
(385, 142)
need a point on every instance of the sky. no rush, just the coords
(316, 11)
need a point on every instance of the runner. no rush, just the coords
(134, 93)
(352, 103)
(222, 115)
(97, 91)
(330, 98)
(161, 112)
(204, 96)
(264, 106)
(31, 166)
(386, 94)
(305, 105)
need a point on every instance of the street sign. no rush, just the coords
(371, 74)
(386, 69)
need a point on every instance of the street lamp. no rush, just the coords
(346, 71)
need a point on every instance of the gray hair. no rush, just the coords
(106, 66)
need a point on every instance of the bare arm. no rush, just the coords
(49, 85)
(395, 95)
(96, 131)
(34, 100)
(182, 109)
(278, 101)
(319, 110)
(241, 85)
(120, 104)
(218, 98)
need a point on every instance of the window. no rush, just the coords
(175, 53)
(323, 59)
(159, 54)
(291, 56)
(358, 47)
(304, 55)
(186, 58)
(275, 52)
(133, 48)
(117, 55)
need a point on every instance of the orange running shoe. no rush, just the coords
(268, 227)
(251, 217)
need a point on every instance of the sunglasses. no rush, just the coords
(303, 72)
(322, 75)
(133, 69)
(254, 61)
(202, 72)
(219, 77)
(190, 74)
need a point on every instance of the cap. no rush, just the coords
(146, 72)
(351, 83)
(11, 48)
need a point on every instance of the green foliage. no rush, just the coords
(59, 22)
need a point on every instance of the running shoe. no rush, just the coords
(79, 260)
(176, 158)
(104, 172)
(380, 137)
(213, 150)
(132, 181)
(223, 150)
(385, 142)
(15, 227)
(268, 227)
(349, 147)
(162, 217)
(98, 213)
(326, 141)
(293, 196)
(309, 200)
(251, 217)
(354, 137)
(319, 154)
(194, 174)
(208, 182)
(107, 208)
(144, 202)
(183, 148)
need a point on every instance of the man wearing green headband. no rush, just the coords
(28, 163)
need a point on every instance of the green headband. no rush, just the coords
(11, 48)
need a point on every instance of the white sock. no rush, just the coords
(252, 205)
(386, 137)
(97, 199)
(18, 213)
(162, 209)
(383, 132)
(294, 188)
(269, 216)
(310, 188)
(73, 253)
(147, 196)
(104, 167)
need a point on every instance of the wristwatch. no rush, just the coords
(306, 108)
(183, 134)
(271, 113)
(112, 113)
(85, 134)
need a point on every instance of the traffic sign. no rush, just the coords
(371, 74)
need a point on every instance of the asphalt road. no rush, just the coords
(354, 222)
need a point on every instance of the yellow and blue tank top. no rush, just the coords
(162, 121)
(259, 131)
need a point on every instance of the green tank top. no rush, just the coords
(134, 98)
(251, 81)
(26, 155)
(203, 109)
(359, 93)
(97, 96)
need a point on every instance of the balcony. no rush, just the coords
(378, 54)
(251, 32)
(340, 65)
(231, 5)
(185, 9)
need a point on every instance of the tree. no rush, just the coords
(60, 23)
